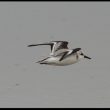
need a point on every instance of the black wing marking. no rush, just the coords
(58, 46)
(62, 45)
(55, 45)
(42, 60)
(63, 56)
(65, 53)
(75, 50)
(51, 44)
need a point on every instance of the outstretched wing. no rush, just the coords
(51, 45)
(55, 46)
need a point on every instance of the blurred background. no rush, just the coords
(23, 83)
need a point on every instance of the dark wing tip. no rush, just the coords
(76, 49)
(30, 45)
(33, 45)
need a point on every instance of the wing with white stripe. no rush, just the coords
(55, 46)
(60, 45)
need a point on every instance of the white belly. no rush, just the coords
(67, 61)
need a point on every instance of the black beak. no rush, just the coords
(86, 57)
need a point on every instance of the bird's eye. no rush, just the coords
(81, 54)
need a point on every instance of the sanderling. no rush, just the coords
(60, 54)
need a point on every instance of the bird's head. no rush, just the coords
(81, 54)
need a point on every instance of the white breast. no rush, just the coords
(67, 61)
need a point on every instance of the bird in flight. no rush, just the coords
(60, 54)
